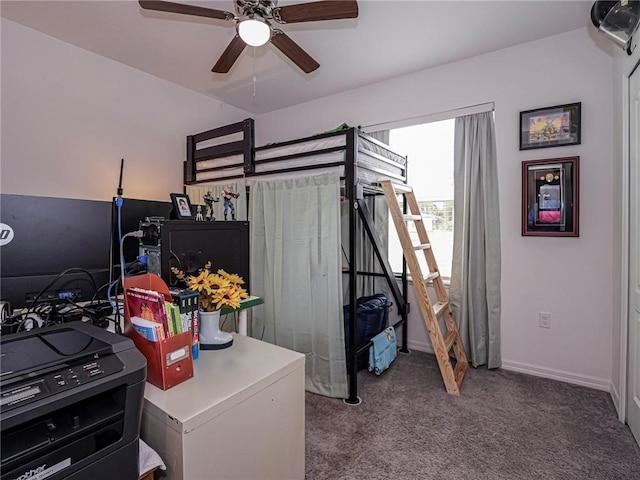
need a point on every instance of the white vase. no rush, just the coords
(210, 335)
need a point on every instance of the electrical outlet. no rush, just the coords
(545, 319)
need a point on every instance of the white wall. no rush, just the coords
(568, 277)
(69, 116)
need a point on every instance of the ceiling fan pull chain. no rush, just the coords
(255, 78)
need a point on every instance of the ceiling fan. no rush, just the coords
(253, 25)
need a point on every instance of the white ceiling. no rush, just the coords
(389, 38)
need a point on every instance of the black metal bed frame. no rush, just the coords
(356, 187)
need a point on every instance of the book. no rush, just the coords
(147, 328)
(149, 305)
(188, 303)
(173, 312)
(170, 320)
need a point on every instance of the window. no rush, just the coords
(429, 149)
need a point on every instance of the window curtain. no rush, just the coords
(197, 196)
(475, 277)
(296, 269)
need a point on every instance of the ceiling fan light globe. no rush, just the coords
(254, 31)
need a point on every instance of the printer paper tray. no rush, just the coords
(75, 432)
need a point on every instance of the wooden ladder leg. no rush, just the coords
(442, 345)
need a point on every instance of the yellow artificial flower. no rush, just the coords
(232, 277)
(199, 282)
(217, 290)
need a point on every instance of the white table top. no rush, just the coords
(222, 378)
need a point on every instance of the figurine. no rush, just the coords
(209, 200)
(199, 216)
(228, 195)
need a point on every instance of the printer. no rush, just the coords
(71, 400)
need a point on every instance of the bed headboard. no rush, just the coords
(222, 153)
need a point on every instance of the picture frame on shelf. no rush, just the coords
(556, 126)
(550, 197)
(182, 208)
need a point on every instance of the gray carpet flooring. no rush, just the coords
(505, 425)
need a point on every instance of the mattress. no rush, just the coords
(290, 158)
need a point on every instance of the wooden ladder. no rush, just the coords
(431, 312)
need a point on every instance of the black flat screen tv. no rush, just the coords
(44, 237)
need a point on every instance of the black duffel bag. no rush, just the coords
(372, 315)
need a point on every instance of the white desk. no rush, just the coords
(240, 417)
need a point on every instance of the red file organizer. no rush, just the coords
(169, 361)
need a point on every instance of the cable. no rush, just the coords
(116, 325)
(110, 296)
(34, 323)
(102, 287)
(115, 305)
(137, 234)
(120, 238)
(60, 275)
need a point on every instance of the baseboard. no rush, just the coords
(615, 397)
(420, 346)
(560, 375)
(551, 373)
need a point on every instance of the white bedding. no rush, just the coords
(302, 147)
(280, 157)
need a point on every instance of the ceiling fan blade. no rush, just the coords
(229, 56)
(313, 11)
(292, 50)
(185, 9)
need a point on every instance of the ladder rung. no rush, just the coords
(449, 339)
(412, 218)
(422, 246)
(440, 307)
(432, 276)
(398, 187)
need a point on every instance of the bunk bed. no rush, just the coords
(229, 153)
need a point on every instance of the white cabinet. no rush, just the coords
(240, 417)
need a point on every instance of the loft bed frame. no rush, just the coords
(229, 153)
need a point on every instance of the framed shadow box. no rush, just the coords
(550, 197)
